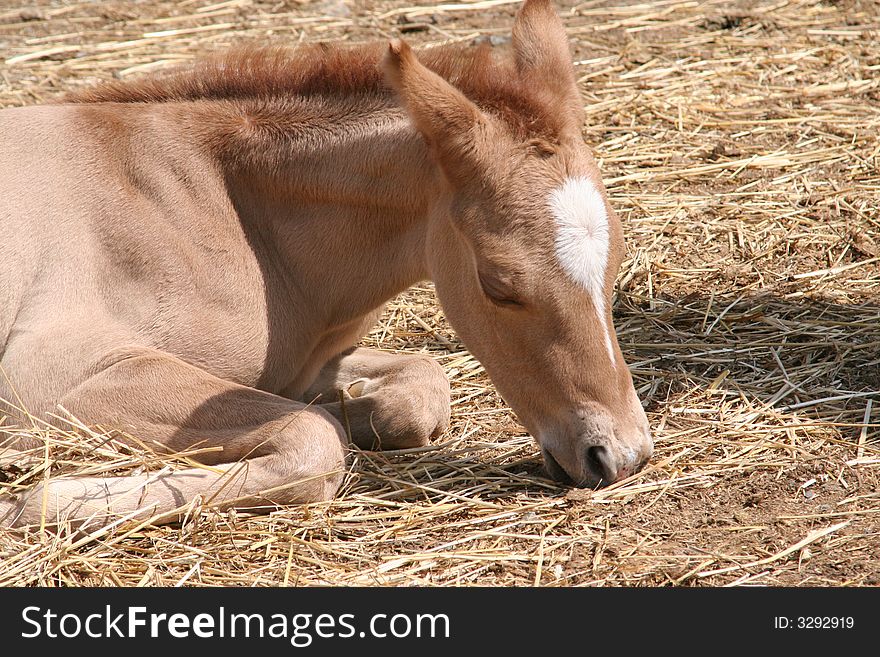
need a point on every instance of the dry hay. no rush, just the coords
(739, 143)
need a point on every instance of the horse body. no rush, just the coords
(172, 240)
(196, 257)
(94, 267)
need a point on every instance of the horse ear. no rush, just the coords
(541, 52)
(452, 124)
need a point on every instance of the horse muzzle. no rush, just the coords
(595, 451)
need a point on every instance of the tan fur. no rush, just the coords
(197, 254)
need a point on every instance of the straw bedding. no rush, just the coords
(739, 144)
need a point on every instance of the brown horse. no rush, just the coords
(190, 259)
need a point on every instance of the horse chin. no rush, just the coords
(561, 476)
(556, 471)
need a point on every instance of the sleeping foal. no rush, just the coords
(196, 255)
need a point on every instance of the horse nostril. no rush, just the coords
(598, 462)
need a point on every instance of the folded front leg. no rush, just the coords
(384, 401)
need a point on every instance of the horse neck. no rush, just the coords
(335, 201)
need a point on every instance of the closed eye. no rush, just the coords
(506, 302)
(499, 291)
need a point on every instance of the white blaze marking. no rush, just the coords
(582, 236)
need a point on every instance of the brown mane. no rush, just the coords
(265, 73)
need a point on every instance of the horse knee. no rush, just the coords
(429, 397)
(414, 403)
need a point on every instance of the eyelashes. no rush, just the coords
(499, 291)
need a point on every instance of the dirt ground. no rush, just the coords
(738, 141)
